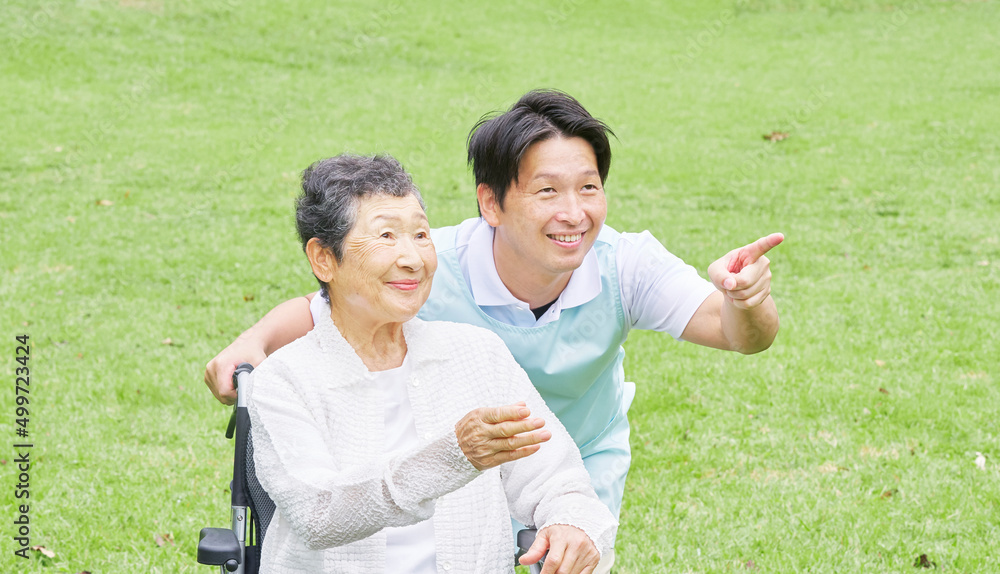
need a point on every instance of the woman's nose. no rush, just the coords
(409, 256)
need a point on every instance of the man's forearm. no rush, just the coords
(282, 325)
(750, 330)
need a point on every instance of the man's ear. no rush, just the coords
(488, 206)
(324, 264)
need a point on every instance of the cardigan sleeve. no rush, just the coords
(551, 486)
(327, 505)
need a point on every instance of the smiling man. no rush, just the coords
(540, 269)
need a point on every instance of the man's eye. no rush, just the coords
(386, 235)
(547, 190)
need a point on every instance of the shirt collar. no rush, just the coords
(488, 290)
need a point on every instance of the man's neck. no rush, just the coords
(534, 287)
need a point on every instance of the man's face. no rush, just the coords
(553, 213)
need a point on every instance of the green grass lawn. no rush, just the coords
(150, 155)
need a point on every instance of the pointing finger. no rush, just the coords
(751, 253)
(765, 244)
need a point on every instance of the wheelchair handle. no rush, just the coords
(242, 371)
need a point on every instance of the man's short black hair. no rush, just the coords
(498, 141)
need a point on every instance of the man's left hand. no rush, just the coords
(744, 275)
(571, 551)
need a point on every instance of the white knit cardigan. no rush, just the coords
(318, 432)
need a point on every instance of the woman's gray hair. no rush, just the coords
(332, 190)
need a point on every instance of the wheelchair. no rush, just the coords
(237, 549)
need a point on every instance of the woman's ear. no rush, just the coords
(488, 206)
(324, 264)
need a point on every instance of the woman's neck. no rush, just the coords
(380, 346)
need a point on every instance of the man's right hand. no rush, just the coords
(490, 437)
(282, 325)
(219, 371)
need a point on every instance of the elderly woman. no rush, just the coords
(390, 444)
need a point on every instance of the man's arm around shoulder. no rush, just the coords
(282, 325)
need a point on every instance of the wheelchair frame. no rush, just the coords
(230, 548)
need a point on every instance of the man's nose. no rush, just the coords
(571, 210)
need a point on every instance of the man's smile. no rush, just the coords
(566, 239)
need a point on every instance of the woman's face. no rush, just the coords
(388, 260)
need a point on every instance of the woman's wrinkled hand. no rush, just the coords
(492, 436)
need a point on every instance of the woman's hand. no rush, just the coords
(571, 551)
(490, 437)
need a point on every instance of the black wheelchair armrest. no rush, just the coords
(525, 538)
(219, 547)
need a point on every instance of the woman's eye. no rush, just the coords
(386, 235)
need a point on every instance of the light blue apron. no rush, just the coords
(575, 362)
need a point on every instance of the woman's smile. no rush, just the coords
(405, 284)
